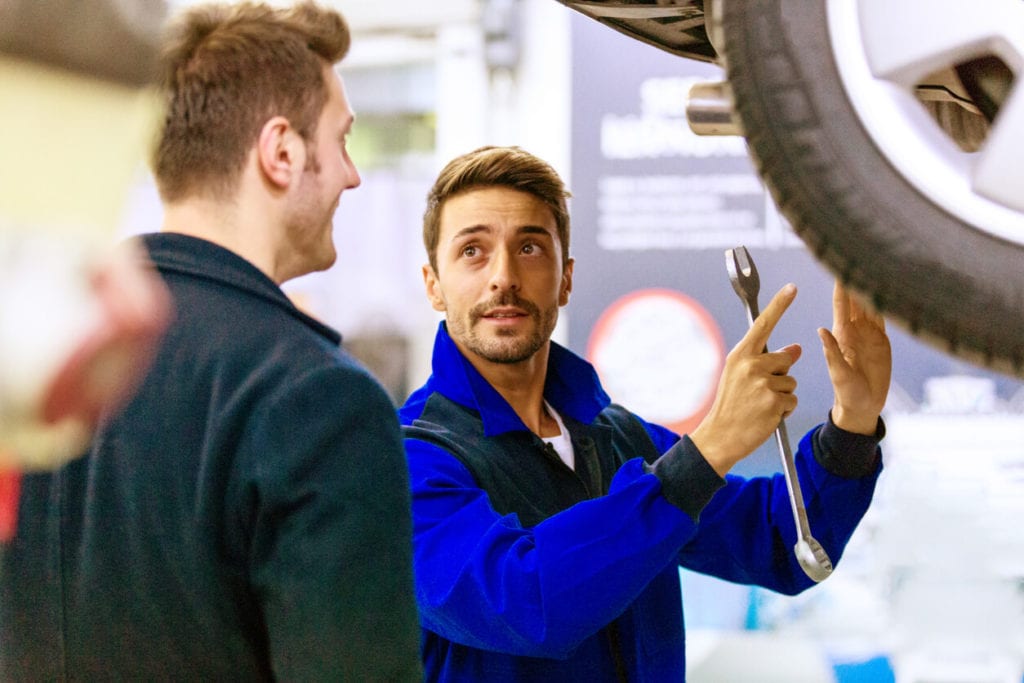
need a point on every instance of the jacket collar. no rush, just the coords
(176, 253)
(572, 386)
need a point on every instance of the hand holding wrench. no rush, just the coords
(809, 553)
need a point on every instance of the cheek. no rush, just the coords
(332, 165)
(542, 279)
(463, 295)
(454, 299)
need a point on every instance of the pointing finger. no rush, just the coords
(756, 338)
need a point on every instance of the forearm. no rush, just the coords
(838, 471)
(687, 480)
(848, 454)
(747, 531)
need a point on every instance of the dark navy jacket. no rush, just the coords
(245, 517)
(529, 571)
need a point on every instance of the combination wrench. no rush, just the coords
(809, 553)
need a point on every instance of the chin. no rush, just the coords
(330, 260)
(328, 257)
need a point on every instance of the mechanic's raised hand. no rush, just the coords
(754, 392)
(859, 362)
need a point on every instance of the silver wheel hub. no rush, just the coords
(883, 49)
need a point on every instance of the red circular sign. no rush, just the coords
(660, 354)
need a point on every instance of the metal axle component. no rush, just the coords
(710, 110)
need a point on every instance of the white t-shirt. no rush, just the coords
(561, 443)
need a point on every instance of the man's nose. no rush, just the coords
(353, 179)
(504, 275)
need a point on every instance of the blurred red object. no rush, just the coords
(10, 488)
(112, 358)
(78, 335)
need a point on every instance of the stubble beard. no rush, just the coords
(314, 216)
(506, 346)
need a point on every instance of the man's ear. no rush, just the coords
(566, 286)
(280, 152)
(433, 287)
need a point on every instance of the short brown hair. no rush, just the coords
(225, 71)
(496, 166)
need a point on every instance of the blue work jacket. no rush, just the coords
(529, 571)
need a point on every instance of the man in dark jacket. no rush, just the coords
(246, 516)
(549, 523)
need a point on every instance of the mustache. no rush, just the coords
(506, 299)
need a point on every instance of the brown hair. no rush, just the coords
(225, 71)
(496, 166)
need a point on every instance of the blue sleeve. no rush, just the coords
(485, 581)
(747, 532)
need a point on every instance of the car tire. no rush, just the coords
(947, 278)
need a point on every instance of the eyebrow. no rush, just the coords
(522, 230)
(470, 230)
(534, 230)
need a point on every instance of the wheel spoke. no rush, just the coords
(906, 40)
(997, 171)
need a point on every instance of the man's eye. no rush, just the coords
(469, 251)
(530, 248)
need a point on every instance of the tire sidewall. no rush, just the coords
(943, 278)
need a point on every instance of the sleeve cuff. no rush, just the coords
(687, 480)
(846, 454)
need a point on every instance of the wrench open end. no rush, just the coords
(743, 276)
(739, 265)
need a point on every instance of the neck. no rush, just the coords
(522, 386)
(243, 224)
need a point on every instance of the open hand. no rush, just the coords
(859, 361)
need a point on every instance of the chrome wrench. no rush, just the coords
(809, 553)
